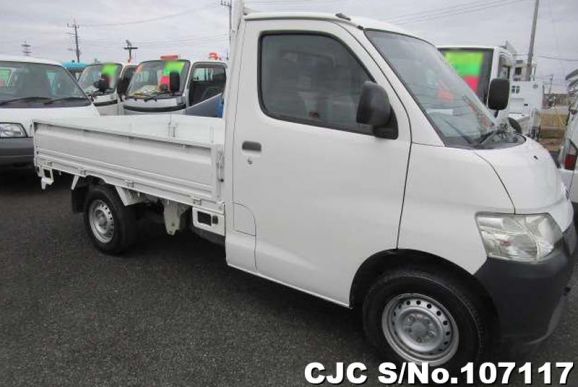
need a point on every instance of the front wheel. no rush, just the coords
(110, 224)
(416, 316)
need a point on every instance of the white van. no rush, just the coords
(34, 88)
(171, 85)
(106, 84)
(353, 164)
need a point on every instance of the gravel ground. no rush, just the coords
(170, 312)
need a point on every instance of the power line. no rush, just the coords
(556, 39)
(558, 58)
(186, 38)
(420, 17)
(481, 7)
(552, 57)
(180, 13)
(436, 11)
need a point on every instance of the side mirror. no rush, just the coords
(174, 82)
(499, 94)
(374, 110)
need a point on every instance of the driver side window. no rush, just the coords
(312, 79)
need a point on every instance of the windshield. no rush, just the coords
(92, 73)
(152, 78)
(38, 85)
(454, 110)
(473, 65)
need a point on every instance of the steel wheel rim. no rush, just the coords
(420, 329)
(101, 221)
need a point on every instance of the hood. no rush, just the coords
(25, 116)
(531, 179)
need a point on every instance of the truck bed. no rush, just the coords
(171, 156)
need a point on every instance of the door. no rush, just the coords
(324, 193)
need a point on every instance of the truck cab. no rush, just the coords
(478, 66)
(106, 84)
(151, 92)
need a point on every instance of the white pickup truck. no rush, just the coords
(352, 163)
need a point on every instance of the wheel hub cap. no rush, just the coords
(101, 221)
(420, 329)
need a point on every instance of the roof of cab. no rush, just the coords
(28, 59)
(358, 22)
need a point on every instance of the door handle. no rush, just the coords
(251, 146)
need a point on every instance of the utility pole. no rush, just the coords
(77, 49)
(129, 47)
(26, 48)
(229, 4)
(532, 37)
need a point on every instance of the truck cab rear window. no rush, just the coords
(206, 81)
(312, 79)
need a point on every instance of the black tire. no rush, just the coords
(467, 311)
(124, 232)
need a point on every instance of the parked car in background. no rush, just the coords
(352, 163)
(526, 101)
(32, 88)
(106, 84)
(171, 85)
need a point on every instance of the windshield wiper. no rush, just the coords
(154, 96)
(23, 99)
(51, 101)
(502, 129)
(138, 95)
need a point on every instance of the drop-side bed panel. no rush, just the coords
(175, 158)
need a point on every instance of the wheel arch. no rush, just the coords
(379, 263)
(80, 188)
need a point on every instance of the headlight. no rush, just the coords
(524, 238)
(11, 130)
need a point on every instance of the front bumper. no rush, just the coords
(530, 298)
(16, 151)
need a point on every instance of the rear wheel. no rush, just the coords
(110, 224)
(417, 316)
